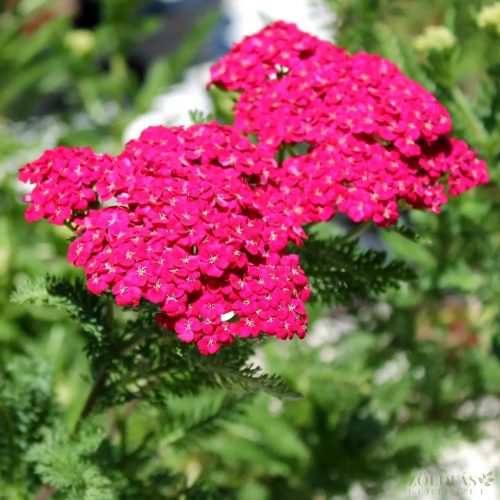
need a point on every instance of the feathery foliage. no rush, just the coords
(108, 405)
(341, 272)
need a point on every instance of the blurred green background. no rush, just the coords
(389, 384)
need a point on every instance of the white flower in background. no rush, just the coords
(435, 39)
(80, 42)
(392, 371)
(489, 18)
(249, 17)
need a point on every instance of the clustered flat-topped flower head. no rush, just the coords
(298, 88)
(192, 226)
(375, 137)
(66, 182)
(197, 219)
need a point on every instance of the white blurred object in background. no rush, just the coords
(245, 18)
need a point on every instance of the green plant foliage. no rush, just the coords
(198, 117)
(340, 272)
(26, 404)
(98, 402)
(71, 297)
(63, 462)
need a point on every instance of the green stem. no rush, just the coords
(356, 231)
(92, 398)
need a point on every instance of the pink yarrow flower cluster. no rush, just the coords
(368, 181)
(193, 226)
(66, 181)
(197, 219)
(374, 135)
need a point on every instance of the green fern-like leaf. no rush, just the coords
(72, 297)
(206, 419)
(155, 366)
(26, 405)
(65, 463)
(250, 378)
(340, 272)
(406, 231)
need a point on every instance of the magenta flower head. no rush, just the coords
(197, 219)
(375, 137)
(65, 181)
(191, 224)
